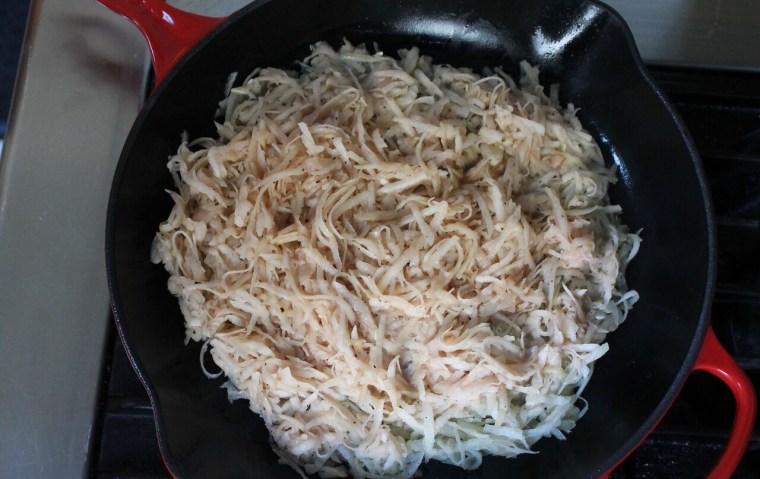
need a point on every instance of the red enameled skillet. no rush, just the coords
(583, 45)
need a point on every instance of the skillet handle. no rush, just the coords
(170, 32)
(713, 359)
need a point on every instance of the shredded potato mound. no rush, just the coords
(396, 261)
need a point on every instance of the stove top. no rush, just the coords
(70, 405)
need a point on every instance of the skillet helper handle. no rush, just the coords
(170, 32)
(713, 359)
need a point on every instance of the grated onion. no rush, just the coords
(396, 261)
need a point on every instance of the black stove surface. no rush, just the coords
(722, 111)
(13, 19)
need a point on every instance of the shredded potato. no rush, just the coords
(396, 261)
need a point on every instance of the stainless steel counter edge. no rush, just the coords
(78, 91)
(695, 33)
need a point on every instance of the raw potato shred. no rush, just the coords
(396, 261)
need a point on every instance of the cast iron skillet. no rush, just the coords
(583, 45)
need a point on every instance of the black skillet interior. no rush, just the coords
(582, 45)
